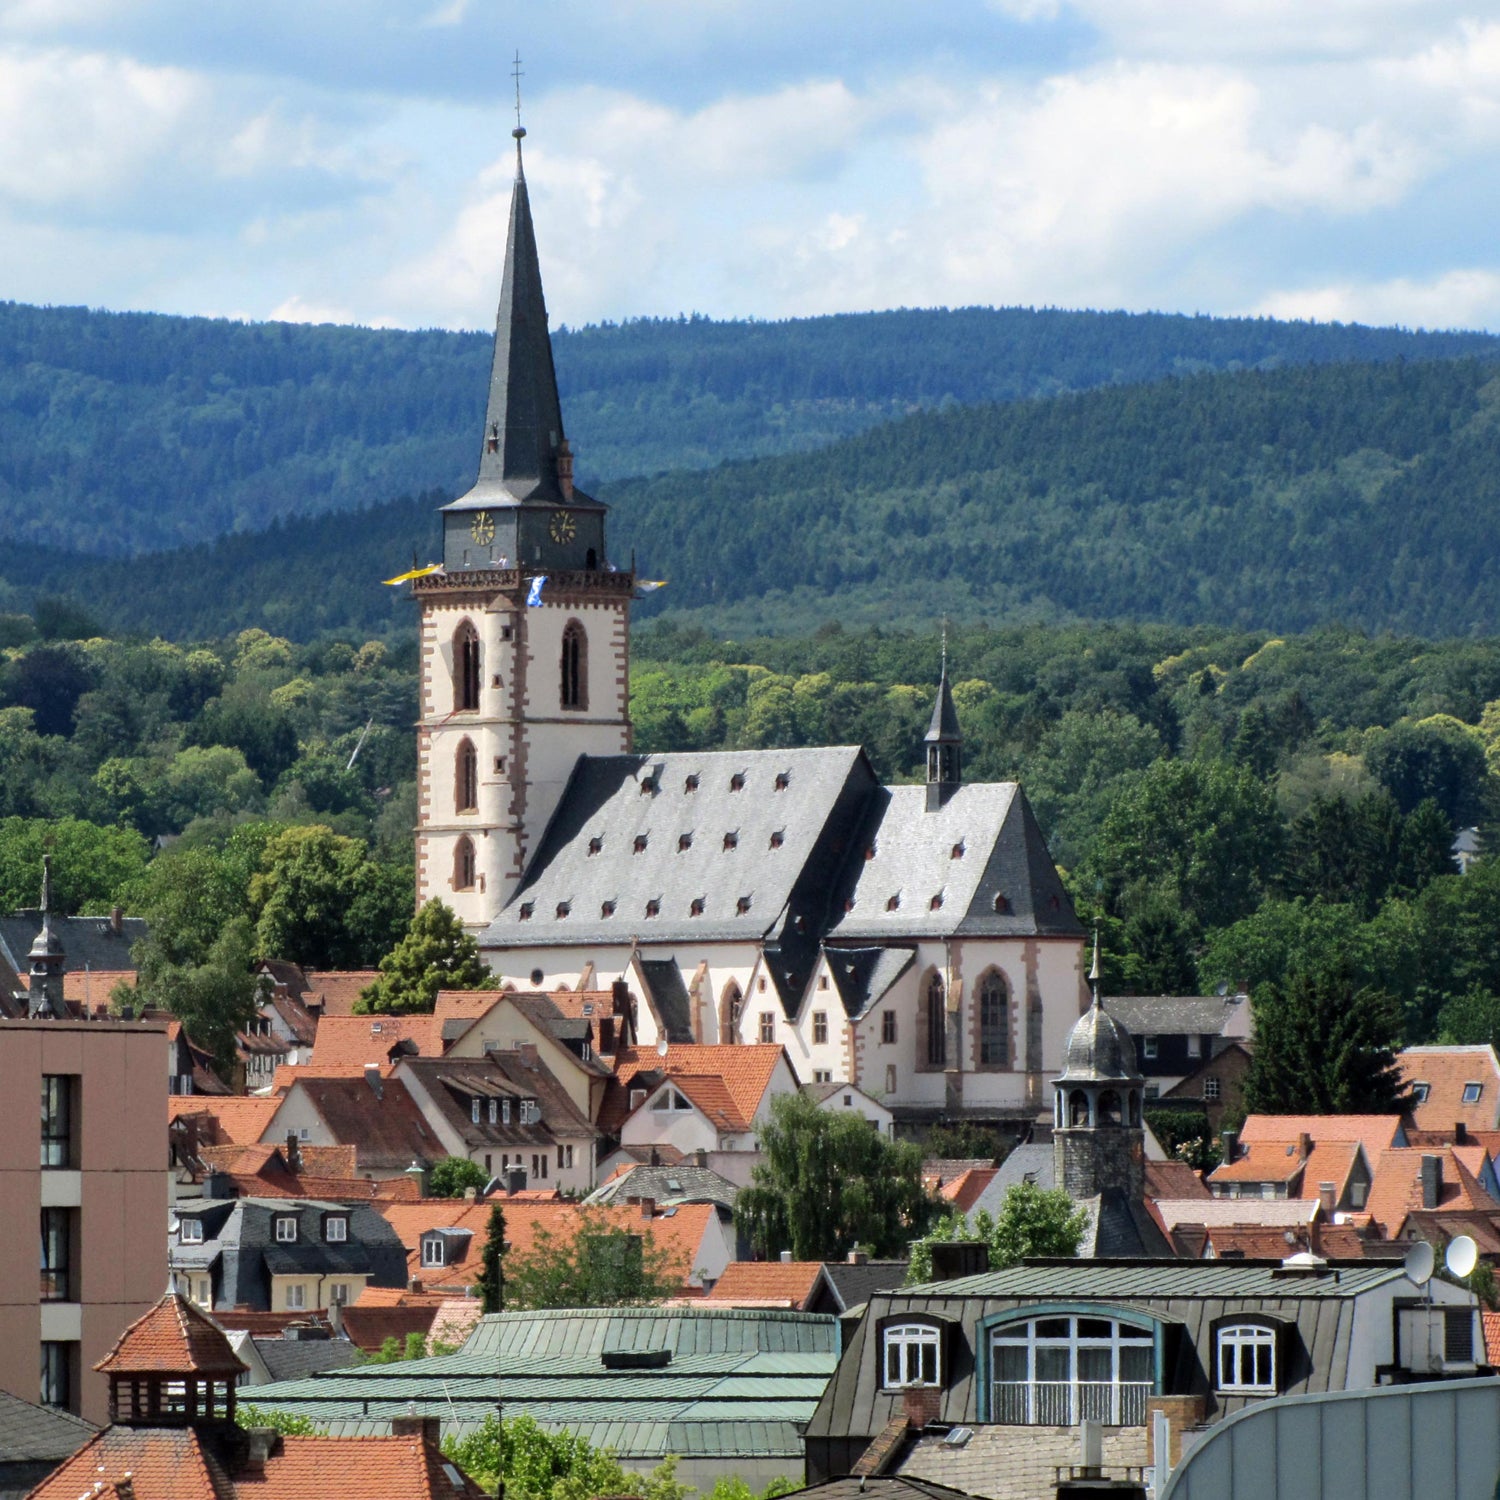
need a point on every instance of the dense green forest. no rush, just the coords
(1227, 803)
(123, 432)
(1362, 494)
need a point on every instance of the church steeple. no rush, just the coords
(944, 741)
(523, 511)
(523, 425)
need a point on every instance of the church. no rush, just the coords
(913, 941)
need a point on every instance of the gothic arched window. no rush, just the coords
(575, 666)
(937, 1024)
(466, 778)
(994, 1022)
(729, 1012)
(466, 668)
(463, 864)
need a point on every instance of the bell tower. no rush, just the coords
(524, 628)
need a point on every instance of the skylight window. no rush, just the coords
(1472, 1091)
(1420, 1091)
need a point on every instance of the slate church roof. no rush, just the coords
(785, 847)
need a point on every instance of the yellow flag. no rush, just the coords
(416, 573)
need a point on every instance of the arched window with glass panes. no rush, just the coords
(935, 1037)
(575, 666)
(466, 668)
(466, 777)
(1063, 1369)
(994, 1021)
(463, 864)
(910, 1355)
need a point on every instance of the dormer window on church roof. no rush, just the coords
(737, 782)
(783, 780)
(684, 841)
(731, 841)
(595, 845)
(640, 843)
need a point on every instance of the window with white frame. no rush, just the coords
(296, 1296)
(1211, 1090)
(1062, 1370)
(336, 1229)
(474, 1110)
(1472, 1091)
(286, 1231)
(190, 1231)
(1247, 1359)
(911, 1355)
(531, 1112)
(432, 1252)
(505, 1111)
(1419, 1092)
(494, 1111)
(670, 1099)
(1148, 1048)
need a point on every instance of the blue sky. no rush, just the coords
(350, 160)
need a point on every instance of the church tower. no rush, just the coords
(1098, 1140)
(524, 630)
(944, 741)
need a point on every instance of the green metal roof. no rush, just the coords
(1158, 1280)
(739, 1382)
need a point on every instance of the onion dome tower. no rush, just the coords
(1098, 1138)
(48, 962)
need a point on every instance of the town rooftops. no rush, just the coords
(385, 1126)
(334, 992)
(767, 1283)
(240, 1121)
(681, 1182)
(1171, 1015)
(1398, 1189)
(1374, 1132)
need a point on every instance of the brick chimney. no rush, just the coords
(1304, 1144)
(858, 1258)
(1460, 1133)
(922, 1404)
(648, 1208)
(1328, 1197)
(1228, 1142)
(117, 920)
(606, 1034)
(293, 1153)
(428, 1429)
(1432, 1180)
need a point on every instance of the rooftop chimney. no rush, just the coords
(1304, 1144)
(858, 1258)
(262, 1444)
(1432, 1180)
(1228, 1141)
(648, 1208)
(606, 1034)
(1460, 1133)
(293, 1152)
(922, 1403)
(1328, 1197)
(786, 1257)
(117, 920)
(428, 1429)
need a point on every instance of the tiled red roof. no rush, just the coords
(387, 1129)
(744, 1071)
(1396, 1191)
(187, 1463)
(241, 1120)
(345, 1041)
(1173, 1179)
(766, 1283)
(1492, 1338)
(172, 1338)
(1374, 1132)
(370, 1327)
(1446, 1072)
(336, 990)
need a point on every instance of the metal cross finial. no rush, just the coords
(518, 75)
(945, 645)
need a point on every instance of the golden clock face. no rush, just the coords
(482, 529)
(563, 528)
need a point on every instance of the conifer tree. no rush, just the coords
(492, 1259)
(436, 954)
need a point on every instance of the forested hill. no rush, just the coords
(128, 432)
(1362, 494)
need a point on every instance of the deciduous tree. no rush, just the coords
(436, 954)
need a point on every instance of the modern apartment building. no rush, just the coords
(81, 1174)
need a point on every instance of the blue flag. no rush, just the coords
(535, 596)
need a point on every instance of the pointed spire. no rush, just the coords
(523, 428)
(1094, 979)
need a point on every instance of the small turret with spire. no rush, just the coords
(944, 741)
(48, 962)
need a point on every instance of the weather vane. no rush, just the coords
(517, 74)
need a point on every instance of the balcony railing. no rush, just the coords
(1066, 1403)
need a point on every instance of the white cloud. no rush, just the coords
(1456, 299)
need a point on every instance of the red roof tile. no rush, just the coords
(745, 1072)
(240, 1120)
(766, 1283)
(1447, 1072)
(345, 1041)
(172, 1338)
(1396, 1191)
(1174, 1179)
(1373, 1132)
(369, 1327)
(333, 992)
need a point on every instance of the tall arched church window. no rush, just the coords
(466, 668)
(575, 666)
(937, 1024)
(466, 778)
(729, 1012)
(994, 1022)
(463, 864)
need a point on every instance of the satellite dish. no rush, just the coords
(1462, 1256)
(661, 1046)
(1419, 1263)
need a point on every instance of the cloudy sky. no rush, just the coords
(351, 160)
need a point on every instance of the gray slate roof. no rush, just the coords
(29, 1432)
(1099, 1050)
(88, 942)
(616, 800)
(855, 1285)
(295, 1359)
(1168, 1015)
(679, 1184)
(908, 853)
(669, 997)
(862, 976)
